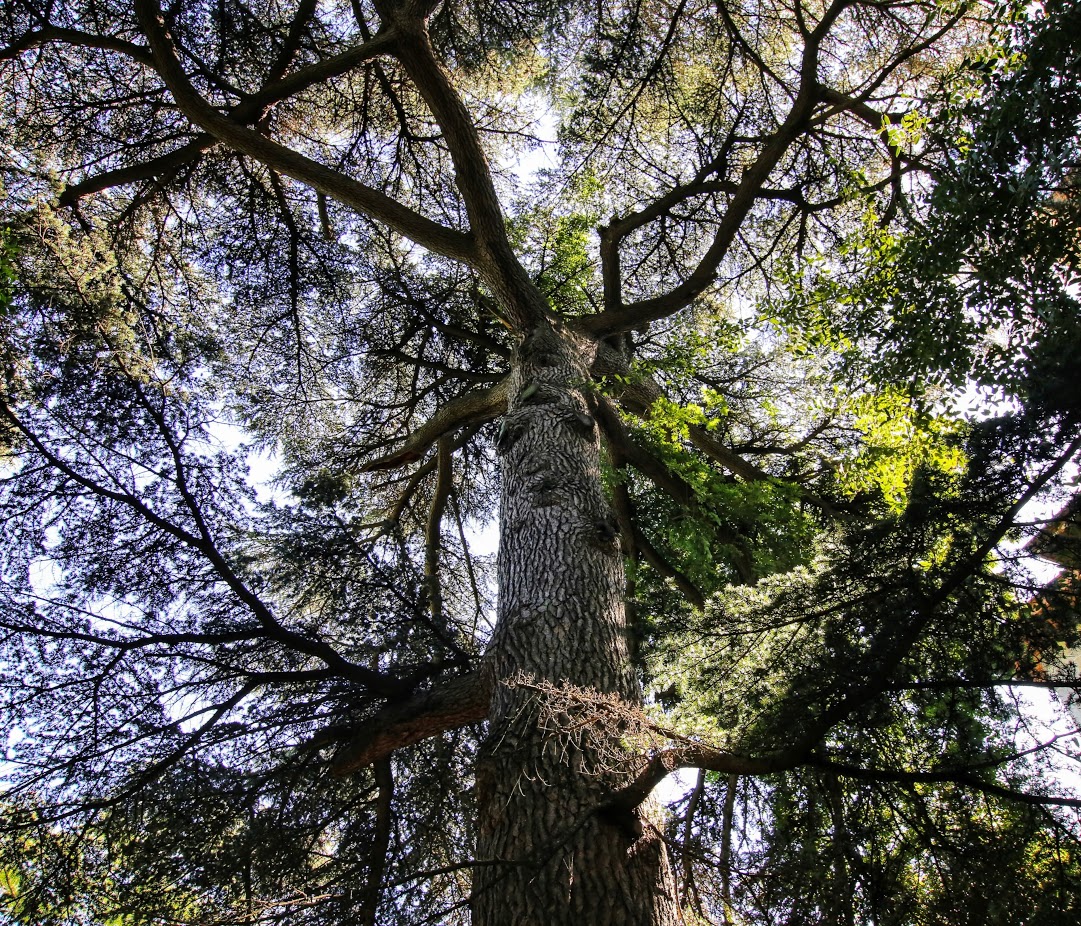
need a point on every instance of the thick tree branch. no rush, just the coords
(698, 755)
(156, 769)
(446, 706)
(638, 397)
(133, 173)
(50, 34)
(249, 110)
(858, 107)
(289, 49)
(469, 408)
(636, 542)
(288, 85)
(521, 300)
(651, 555)
(672, 485)
(144, 641)
(352, 193)
(626, 317)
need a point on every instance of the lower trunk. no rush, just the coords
(566, 703)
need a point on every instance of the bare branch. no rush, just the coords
(626, 317)
(470, 408)
(959, 777)
(367, 200)
(446, 706)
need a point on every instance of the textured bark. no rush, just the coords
(555, 755)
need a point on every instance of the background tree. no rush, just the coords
(716, 340)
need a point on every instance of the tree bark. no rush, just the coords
(565, 691)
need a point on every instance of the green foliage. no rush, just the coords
(980, 296)
(774, 533)
(868, 865)
(7, 270)
(899, 441)
(564, 266)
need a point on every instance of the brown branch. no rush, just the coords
(943, 777)
(860, 108)
(650, 554)
(637, 542)
(289, 49)
(432, 540)
(729, 459)
(275, 91)
(638, 397)
(618, 229)
(352, 193)
(469, 408)
(691, 899)
(156, 769)
(50, 34)
(523, 303)
(626, 317)
(894, 645)
(133, 173)
(727, 815)
(738, 466)
(633, 453)
(377, 855)
(702, 756)
(680, 491)
(446, 706)
(966, 684)
(699, 755)
(249, 110)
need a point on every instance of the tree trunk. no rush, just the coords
(565, 697)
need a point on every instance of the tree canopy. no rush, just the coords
(752, 327)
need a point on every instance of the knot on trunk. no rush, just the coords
(606, 534)
(510, 430)
(536, 392)
(582, 424)
(624, 819)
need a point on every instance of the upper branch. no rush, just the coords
(620, 317)
(473, 174)
(251, 109)
(367, 200)
(49, 34)
(518, 295)
(469, 408)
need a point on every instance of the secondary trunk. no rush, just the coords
(565, 702)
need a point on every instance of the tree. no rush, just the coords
(685, 348)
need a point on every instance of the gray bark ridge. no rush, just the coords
(552, 849)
